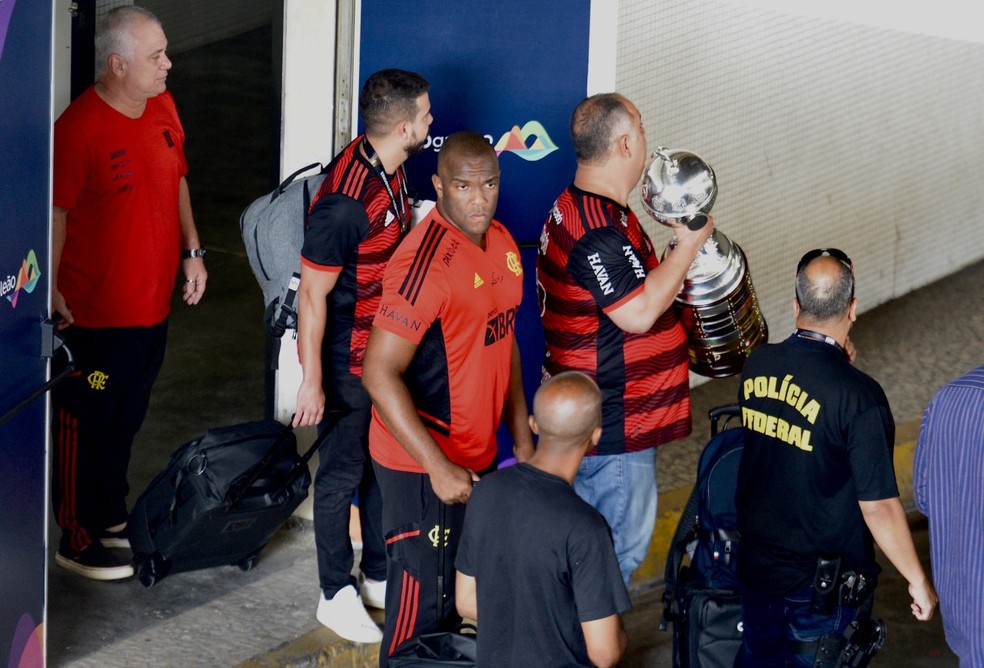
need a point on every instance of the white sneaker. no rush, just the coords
(346, 615)
(373, 593)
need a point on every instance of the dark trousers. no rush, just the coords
(344, 467)
(98, 410)
(411, 513)
(775, 627)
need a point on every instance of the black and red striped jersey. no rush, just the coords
(594, 257)
(353, 227)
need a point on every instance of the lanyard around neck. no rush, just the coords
(822, 338)
(399, 207)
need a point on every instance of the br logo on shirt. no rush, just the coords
(500, 326)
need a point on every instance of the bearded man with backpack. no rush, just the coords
(357, 218)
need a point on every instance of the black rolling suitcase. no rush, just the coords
(220, 499)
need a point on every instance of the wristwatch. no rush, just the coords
(192, 252)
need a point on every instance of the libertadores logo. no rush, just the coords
(515, 141)
(26, 279)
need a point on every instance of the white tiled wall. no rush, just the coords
(821, 134)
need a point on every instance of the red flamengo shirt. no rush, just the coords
(594, 256)
(118, 177)
(458, 302)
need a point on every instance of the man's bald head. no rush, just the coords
(567, 409)
(824, 289)
(596, 122)
(465, 145)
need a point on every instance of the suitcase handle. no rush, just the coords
(332, 417)
(715, 414)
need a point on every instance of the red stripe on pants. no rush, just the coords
(407, 617)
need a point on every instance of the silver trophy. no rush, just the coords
(717, 304)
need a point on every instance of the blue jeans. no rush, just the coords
(773, 624)
(623, 489)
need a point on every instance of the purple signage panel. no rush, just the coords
(25, 131)
(513, 71)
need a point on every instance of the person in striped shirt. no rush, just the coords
(605, 303)
(948, 483)
(357, 218)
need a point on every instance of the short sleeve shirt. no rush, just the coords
(594, 256)
(119, 178)
(353, 227)
(819, 438)
(458, 302)
(544, 562)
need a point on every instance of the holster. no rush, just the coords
(854, 649)
(833, 587)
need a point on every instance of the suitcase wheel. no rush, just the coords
(149, 569)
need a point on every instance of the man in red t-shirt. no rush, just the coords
(606, 310)
(121, 222)
(442, 368)
(358, 217)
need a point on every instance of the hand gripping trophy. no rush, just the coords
(717, 304)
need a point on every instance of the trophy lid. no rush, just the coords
(677, 186)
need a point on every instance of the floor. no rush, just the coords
(215, 373)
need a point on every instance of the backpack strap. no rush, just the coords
(686, 531)
(290, 179)
(284, 313)
(687, 528)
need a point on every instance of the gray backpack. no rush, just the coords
(273, 233)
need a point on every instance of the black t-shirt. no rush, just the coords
(544, 562)
(819, 438)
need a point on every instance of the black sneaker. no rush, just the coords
(116, 538)
(94, 562)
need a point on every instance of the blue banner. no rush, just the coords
(513, 71)
(25, 206)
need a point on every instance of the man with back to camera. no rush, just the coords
(121, 224)
(358, 217)
(948, 485)
(536, 564)
(605, 303)
(442, 367)
(816, 482)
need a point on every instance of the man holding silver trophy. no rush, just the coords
(605, 302)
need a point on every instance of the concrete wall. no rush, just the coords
(822, 132)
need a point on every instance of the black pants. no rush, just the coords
(98, 410)
(344, 467)
(411, 528)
